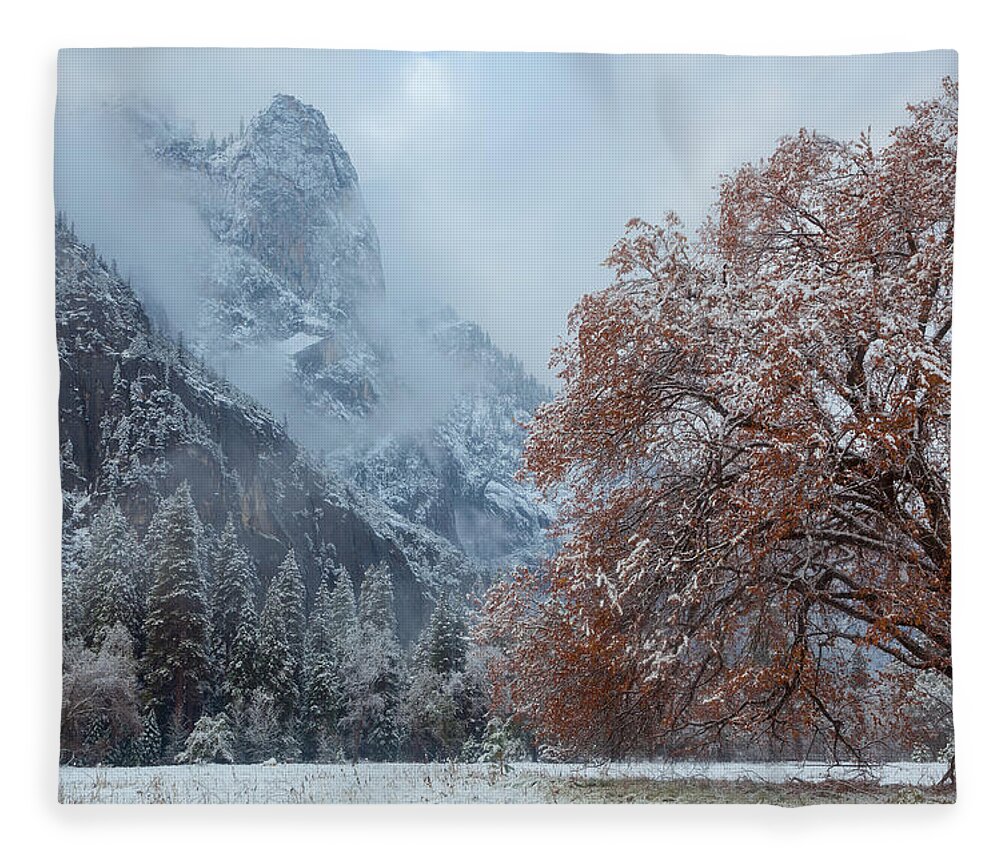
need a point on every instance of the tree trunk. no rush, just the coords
(949, 775)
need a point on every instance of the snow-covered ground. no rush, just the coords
(425, 783)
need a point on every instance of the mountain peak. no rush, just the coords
(284, 103)
(295, 206)
(288, 110)
(293, 140)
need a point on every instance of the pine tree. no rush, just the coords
(175, 737)
(376, 611)
(72, 600)
(322, 690)
(291, 594)
(241, 672)
(111, 577)
(446, 643)
(343, 611)
(859, 671)
(376, 676)
(275, 662)
(234, 591)
(501, 743)
(347, 643)
(176, 660)
(150, 744)
(119, 386)
(211, 741)
(74, 550)
(434, 727)
(438, 709)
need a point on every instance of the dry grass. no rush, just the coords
(793, 793)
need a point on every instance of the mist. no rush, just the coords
(150, 219)
(135, 212)
(497, 182)
(422, 386)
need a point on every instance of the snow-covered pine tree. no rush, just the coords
(72, 592)
(347, 643)
(447, 639)
(377, 675)
(275, 663)
(111, 577)
(291, 594)
(502, 743)
(441, 706)
(75, 544)
(433, 725)
(472, 691)
(376, 610)
(149, 747)
(322, 685)
(234, 591)
(176, 660)
(241, 673)
(344, 612)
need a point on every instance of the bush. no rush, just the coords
(260, 731)
(211, 741)
(100, 702)
(501, 743)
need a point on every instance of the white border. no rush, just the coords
(30, 502)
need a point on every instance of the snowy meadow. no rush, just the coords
(448, 782)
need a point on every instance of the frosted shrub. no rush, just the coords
(501, 744)
(211, 741)
(100, 701)
(261, 733)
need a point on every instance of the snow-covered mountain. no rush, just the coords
(414, 406)
(296, 248)
(138, 415)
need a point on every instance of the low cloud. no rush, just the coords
(497, 182)
(135, 212)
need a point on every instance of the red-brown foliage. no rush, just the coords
(751, 456)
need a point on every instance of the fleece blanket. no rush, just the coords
(505, 427)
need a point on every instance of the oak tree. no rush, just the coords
(750, 451)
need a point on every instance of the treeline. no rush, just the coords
(177, 651)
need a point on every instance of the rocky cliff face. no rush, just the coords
(456, 474)
(295, 313)
(138, 415)
(293, 203)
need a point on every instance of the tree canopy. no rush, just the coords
(751, 456)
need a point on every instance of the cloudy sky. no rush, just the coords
(498, 182)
